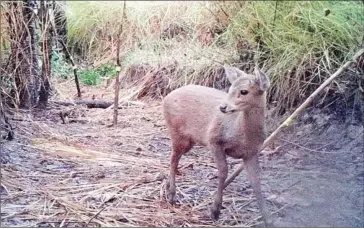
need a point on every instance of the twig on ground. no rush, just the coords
(300, 146)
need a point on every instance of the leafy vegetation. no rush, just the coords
(91, 76)
(60, 67)
(88, 76)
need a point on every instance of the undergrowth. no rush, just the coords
(302, 43)
(60, 67)
(93, 76)
(298, 44)
(88, 76)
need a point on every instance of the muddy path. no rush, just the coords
(88, 174)
(327, 185)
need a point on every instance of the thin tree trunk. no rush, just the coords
(47, 37)
(32, 47)
(70, 58)
(117, 80)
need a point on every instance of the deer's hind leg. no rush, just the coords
(180, 145)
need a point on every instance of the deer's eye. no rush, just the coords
(244, 92)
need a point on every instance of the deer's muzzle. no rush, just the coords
(223, 108)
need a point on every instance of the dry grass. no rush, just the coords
(89, 174)
(299, 44)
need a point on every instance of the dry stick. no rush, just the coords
(298, 111)
(102, 205)
(117, 80)
(70, 58)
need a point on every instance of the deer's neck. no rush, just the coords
(251, 122)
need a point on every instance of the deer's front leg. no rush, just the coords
(220, 160)
(253, 170)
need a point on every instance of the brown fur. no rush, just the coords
(229, 124)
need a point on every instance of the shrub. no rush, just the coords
(94, 76)
(60, 67)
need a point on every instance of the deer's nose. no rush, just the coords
(223, 108)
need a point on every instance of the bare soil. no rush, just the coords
(87, 173)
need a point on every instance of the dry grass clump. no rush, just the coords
(13, 66)
(93, 25)
(158, 81)
(160, 35)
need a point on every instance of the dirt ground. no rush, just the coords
(87, 173)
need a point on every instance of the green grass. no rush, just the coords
(301, 41)
(90, 76)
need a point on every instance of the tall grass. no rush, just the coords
(301, 45)
(93, 25)
(141, 42)
(297, 43)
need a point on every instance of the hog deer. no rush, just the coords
(229, 124)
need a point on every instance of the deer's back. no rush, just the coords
(190, 109)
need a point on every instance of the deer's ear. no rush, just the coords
(232, 73)
(261, 79)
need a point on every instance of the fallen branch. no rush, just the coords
(89, 103)
(298, 111)
(97, 103)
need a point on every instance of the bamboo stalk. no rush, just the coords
(298, 111)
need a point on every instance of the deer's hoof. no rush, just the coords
(171, 193)
(171, 198)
